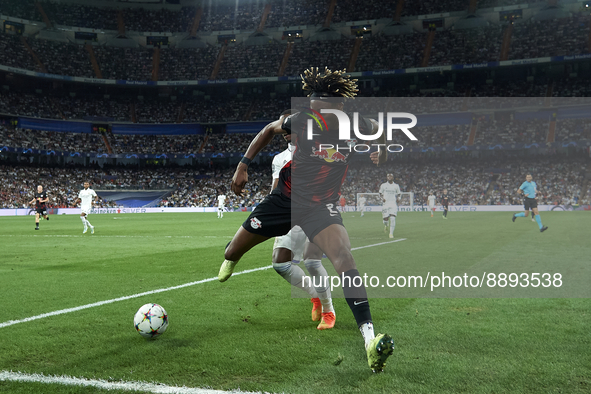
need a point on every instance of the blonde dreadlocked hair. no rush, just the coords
(332, 83)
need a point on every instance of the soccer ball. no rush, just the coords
(150, 321)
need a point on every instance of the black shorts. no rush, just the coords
(276, 215)
(446, 207)
(530, 203)
(315, 219)
(271, 218)
(41, 211)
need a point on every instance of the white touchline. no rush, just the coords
(103, 384)
(100, 303)
(115, 236)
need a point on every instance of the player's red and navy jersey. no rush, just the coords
(315, 173)
(284, 184)
(40, 196)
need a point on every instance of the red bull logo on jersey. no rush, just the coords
(329, 155)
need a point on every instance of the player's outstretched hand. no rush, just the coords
(239, 180)
(375, 157)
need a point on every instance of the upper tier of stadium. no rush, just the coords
(193, 45)
(221, 15)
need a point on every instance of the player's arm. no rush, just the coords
(381, 156)
(262, 139)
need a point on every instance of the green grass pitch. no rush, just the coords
(249, 332)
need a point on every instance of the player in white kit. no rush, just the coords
(293, 247)
(85, 198)
(390, 192)
(221, 202)
(431, 202)
(361, 202)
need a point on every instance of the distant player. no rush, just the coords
(361, 203)
(342, 202)
(85, 198)
(529, 190)
(390, 192)
(221, 202)
(40, 201)
(431, 202)
(290, 249)
(445, 203)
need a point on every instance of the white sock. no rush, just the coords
(367, 333)
(83, 221)
(88, 222)
(392, 224)
(385, 222)
(320, 283)
(294, 275)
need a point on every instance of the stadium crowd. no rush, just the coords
(488, 132)
(245, 15)
(152, 144)
(187, 64)
(503, 132)
(188, 187)
(561, 181)
(203, 191)
(531, 39)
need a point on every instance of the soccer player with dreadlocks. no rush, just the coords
(308, 199)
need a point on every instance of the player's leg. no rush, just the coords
(392, 223)
(221, 211)
(445, 212)
(334, 241)
(271, 218)
(86, 222)
(292, 273)
(539, 220)
(533, 216)
(36, 220)
(83, 218)
(242, 242)
(313, 263)
(385, 219)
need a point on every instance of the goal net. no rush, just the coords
(374, 202)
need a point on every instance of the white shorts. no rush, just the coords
(388, 210)
(294, 241)
(431, 207)
(361, 208)
(220, 207)
(86, 210)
